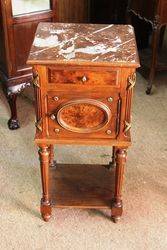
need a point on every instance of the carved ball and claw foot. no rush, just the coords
(13, 122)
(148, 91)
(149, 88)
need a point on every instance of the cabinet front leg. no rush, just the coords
(44, 163)
(113, 162)
(117, 207)
(13, 122)
(52, 162)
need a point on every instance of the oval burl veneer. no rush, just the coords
(83, 116)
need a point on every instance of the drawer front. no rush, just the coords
(80, 77)
(83, 116)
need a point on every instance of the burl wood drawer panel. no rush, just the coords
(80, 77)
(92, 116)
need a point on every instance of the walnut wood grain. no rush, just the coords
(81, 186)
(83, 116)
(82, 77)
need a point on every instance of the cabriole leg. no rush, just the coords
(117, 208)
(155, 41)
(13, 122)
(44, 163)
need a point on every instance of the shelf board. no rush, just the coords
(82, 186)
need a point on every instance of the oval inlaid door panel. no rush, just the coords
(83, 116)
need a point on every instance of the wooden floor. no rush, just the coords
(83, 186)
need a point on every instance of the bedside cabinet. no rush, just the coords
(84, 76)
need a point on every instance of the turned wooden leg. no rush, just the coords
(13, 122)
(117, 207)
(44, 163)
(113, 162)
(155, 41)
(52, 163)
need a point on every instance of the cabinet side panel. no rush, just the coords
(73, 11)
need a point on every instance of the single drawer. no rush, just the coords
(73, 117)
(82, 77)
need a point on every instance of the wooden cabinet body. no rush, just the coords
(83, 88)
(155, 13)
(17, 29)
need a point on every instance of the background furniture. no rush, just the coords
(83, 85)
(108, 11)
(74, 11)
(154, 12)
(18, 22)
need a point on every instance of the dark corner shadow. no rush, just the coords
(99, 212)
(21, 206)
(26, 209)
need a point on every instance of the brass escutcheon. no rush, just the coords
(108, 132)
(56, 98)
(110, 99)
(53, 117)
(57, 130)
(84, 79)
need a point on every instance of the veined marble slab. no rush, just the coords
(84, 43)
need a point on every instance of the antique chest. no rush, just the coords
(155, 13)
(84, 76)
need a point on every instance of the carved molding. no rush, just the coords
(131, 81)
(38, 125)
(83, 116)
(118, 115)
(35, 80)
(155, 23)
(127, 127)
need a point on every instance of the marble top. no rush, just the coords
(62, 43)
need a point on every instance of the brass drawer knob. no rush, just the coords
(110, 99)
(56, 98)
(108, 132)
(84, 79)
(57, 130)
(53, 117)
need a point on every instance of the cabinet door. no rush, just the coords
(21, 7)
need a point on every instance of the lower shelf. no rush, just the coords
(82, 186)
